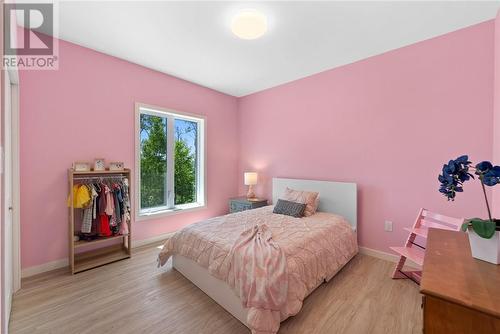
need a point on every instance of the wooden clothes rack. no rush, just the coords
(85, 255)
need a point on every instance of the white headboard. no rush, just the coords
(334, 197)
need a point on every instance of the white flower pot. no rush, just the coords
(485, 249)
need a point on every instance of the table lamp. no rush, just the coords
(250, 180)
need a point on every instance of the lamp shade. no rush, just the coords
(250, 178)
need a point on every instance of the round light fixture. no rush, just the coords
(249, 24)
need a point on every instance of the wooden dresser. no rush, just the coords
(461, 294)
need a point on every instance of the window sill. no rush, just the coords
(168, 212)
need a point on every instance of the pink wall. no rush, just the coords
(387, 123)
(85, 110)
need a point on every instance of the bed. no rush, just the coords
(317, 247)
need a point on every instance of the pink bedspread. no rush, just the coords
(315, 248)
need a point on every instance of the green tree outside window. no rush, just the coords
(153, 137)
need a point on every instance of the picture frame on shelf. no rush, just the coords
(99, 164)
(81, 166)
(116, 165)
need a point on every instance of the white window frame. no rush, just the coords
(201, 193)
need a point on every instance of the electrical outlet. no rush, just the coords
(388, 226)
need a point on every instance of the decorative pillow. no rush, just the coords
(309, 198)
(289, 208)
(316, 204)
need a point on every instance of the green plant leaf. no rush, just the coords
(465, 226)
(483, 228)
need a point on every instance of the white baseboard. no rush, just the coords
(386, 256)
(52, 265)
(144, 242)
(61, 263)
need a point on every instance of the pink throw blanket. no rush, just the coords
(259, 277)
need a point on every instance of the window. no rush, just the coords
(170, 161)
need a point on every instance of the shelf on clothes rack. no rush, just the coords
(99, 257)
(82, 243)
(94, 172)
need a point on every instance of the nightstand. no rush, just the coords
(242, 203)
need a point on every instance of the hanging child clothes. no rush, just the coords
(90, 211)
(82, 200)
(81, 196)
(105, 208)
(94, 195)
(110, 206)
(87, 220)
(103, 224)
(126, 201)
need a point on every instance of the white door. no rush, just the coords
(8, 205)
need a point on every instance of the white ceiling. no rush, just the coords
(192, 41)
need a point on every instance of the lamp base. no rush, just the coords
(250, 193)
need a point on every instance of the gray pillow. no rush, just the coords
(289, 208)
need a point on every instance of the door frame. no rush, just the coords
(16, 179)
(16, 183)
(14, 206)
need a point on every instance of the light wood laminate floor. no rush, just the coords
(133, 296)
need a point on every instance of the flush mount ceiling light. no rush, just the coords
(249, 24)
